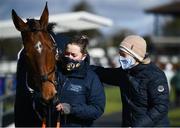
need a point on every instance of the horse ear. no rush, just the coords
(44, 17)
(18, 22)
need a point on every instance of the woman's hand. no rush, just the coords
(59, 107)
(65, 108)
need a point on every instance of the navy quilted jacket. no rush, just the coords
(144, 92)
(83, 90)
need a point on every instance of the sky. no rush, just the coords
(125, 14)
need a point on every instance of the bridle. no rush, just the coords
(39, 53)
(54, 48)
(45, 77)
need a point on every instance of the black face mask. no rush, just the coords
(70, 64)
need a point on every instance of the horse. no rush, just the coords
(40, 54)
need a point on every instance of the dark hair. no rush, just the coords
(80, 40)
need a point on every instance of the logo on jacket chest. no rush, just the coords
(74, 88)
(160, 88)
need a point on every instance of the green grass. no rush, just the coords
(174, 116)
(113, 100)
(113, 104)
(174, 113)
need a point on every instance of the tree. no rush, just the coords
(82, 6)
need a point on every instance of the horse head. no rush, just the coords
(40, 52)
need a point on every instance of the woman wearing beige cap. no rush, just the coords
(144, 88)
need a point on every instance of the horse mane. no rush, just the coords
(50, 27)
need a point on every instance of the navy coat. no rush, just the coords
(144, 92)
(83, 90)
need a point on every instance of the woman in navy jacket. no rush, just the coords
(81, 94)
(144, 88)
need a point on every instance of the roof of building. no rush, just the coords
(64, 22)
(172, 8)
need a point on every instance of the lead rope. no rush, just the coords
(33, 105)
(43, 123)
(58, 124)
(65, 119)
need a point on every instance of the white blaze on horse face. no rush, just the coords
(38, 47)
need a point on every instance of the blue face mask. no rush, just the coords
(127, 62)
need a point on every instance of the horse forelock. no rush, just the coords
(33, 24)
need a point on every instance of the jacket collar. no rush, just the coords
(138, 68)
